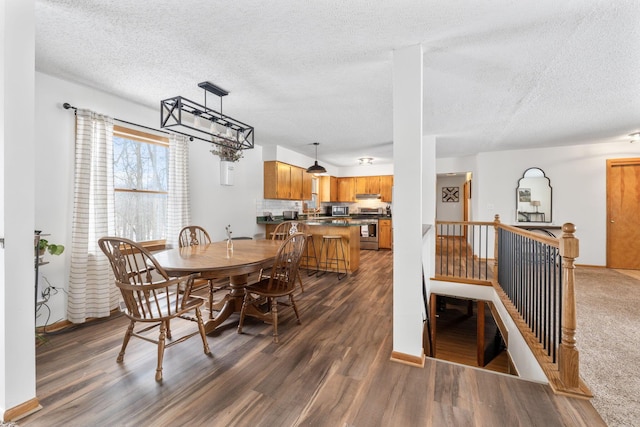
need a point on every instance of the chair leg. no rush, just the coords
(125, 341)
(295, 308)
(161, 339)
(202, 331)
(274, 317)
(168, 332)
(300, 280)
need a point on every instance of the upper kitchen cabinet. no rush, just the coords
(284, 181)
(367, 185)
(328, 189)
(346, 189)
(386, 184)
(306, 184)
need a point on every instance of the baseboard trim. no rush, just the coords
(65, 324)
(408, 359)
(22, 410)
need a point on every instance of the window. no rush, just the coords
(140, 180)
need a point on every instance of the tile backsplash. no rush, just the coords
(277, 206)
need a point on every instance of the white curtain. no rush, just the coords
(179, 214)
(92, 291)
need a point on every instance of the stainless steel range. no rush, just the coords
(369, 230)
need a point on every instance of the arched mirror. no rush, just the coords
(533, 197)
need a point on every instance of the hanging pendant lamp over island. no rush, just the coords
(316, 168)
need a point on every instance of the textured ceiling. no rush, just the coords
(497, 74)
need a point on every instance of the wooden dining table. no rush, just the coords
(215, 261)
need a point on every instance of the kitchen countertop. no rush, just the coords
(323, 220)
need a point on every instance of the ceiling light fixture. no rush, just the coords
(366, 161)
(183, 116)
(316, 168)
(635, 137)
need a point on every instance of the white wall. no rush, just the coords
(450, 211)
(370, 170)
(578, 180)
(215, 206)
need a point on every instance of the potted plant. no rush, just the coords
(44, 245)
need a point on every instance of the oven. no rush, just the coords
(368, 217)
(369, 234)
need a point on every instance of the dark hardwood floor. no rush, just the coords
(333, 370)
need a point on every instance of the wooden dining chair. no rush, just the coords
(281, 282)
(151, 296)
(284, 230)
(193, 235)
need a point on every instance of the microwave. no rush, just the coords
(339, 210)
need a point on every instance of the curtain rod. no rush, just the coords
(68, 106)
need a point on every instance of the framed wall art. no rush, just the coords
(451, 194)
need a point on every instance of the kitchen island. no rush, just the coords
(348, 229)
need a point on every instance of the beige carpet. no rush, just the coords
(608, 338)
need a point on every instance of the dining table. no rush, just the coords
(217, 260)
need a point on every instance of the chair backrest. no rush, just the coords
(148, 292)
(192, 235)
(287, 228)
(285, 267)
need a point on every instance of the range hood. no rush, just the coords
(368, 196)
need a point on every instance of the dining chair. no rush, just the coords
(281, 282)
(151, 296)
(284, 230)
(193, 235)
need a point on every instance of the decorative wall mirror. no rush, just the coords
(533, 197)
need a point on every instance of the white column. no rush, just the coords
(17, 189)
(407, 204)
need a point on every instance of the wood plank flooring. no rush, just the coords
(457, 336)
(333, 370)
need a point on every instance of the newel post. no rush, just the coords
(568, 357)
(496, 224)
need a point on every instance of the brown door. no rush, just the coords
(623, 212)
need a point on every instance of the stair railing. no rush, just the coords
(534, 276)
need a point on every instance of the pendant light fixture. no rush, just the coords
(188, 118)
(316, 168)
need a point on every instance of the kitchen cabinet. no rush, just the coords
(386, 184)
(346, 189)
(328, 189)
(284, 181)
(376, 184)
(296, 183)
(367, 185)
(385, 234)
(306, 184)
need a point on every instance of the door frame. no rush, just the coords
(611, 163)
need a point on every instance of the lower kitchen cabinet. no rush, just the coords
(385, 234)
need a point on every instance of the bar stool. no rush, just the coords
(328, 262)
(311, 248)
